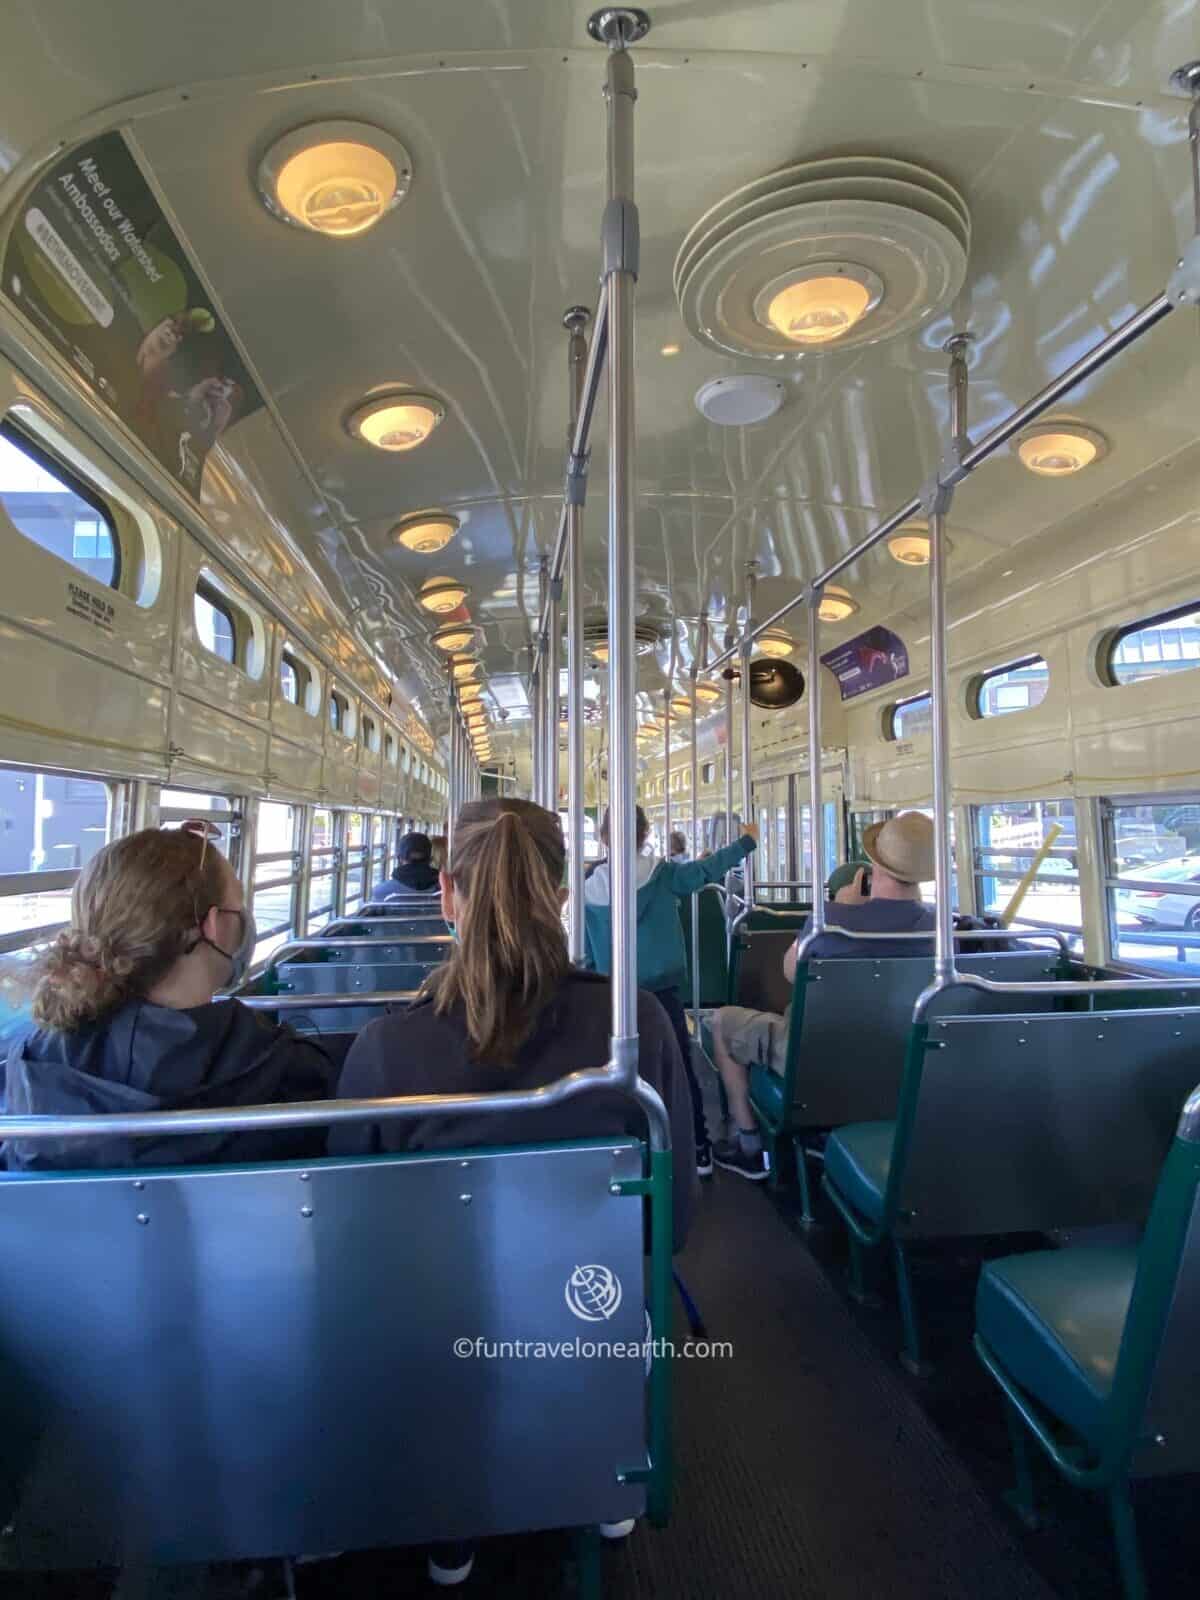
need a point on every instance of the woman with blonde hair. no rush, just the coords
(126, 1019)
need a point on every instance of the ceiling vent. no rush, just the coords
(823, 255)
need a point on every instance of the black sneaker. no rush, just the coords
(752, 1164)
(704, 1159)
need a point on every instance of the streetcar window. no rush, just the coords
(53, 508)
(908, 719)
(50, 826)
(1168, 642)
(276, 876)
(1152, 873)
(215, 623)
(1019, 686)
(370, 734)
(339, 712)
(389, 749)
(1008, 838)
(294, 679)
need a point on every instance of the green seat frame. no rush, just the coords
(1148, 1422)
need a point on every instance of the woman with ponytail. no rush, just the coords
(508, 1011)
(126, 1020)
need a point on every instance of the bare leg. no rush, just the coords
(736, 1078)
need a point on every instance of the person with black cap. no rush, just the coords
(883, 897)
(414, 872)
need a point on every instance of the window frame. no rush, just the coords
(894, 735)
(1113, 883)
(207, 591)
(1111, 642)
(978, 681)
(14, 885)
(1023, 855)
(21, 439)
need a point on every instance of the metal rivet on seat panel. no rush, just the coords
(306, 1177)
(1099, 1036)
(465, 1198)
(138, 1184)
(464, 1164)
(143, 1218)
(306, 1211)
(1022, 1041)
(614, 1188)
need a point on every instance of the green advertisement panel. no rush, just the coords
(92, 262)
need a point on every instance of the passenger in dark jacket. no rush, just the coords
(507, 1011)
(414, 873)
(127, 1021)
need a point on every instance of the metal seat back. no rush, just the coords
(215, 1363)
(846, 1061)
(1024, 1122)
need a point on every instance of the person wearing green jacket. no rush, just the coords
(661, 954)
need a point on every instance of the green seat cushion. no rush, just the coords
(1053, 1320)
(766, 1095)
(858, 1159)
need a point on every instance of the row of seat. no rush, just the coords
(990, 1114)
(157, 1411)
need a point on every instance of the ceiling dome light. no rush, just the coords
(820, 303)
(708, 693)
(775, 643)
(463, 668)
(600, 651)
(910, 545)
(740, 399)
(442, 595)
(836, 605)
(468, 692)
(452, 636)
(1057, 449)
(852, 249)
(681, 706)
(426, 532)
(398, 420)
(335, 178)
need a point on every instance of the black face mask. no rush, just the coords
(238, 958)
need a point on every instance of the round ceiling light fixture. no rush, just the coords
(335, 178)
(453, 637)
(681, 706)
(909, 545)
(1058, 449)
(426, 532)
(468, 692)
(740, 399)
(442, 595)
(708, 693)
(819, 303)
(600, 652)
(462, 668)
(775, 643)
(399, 419)
(836, 604)
(823, 254)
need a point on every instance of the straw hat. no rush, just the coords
(903, 846)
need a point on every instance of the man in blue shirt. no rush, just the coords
(900, 851)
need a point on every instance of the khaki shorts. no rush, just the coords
(755, 1038)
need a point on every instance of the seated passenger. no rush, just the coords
(438, 852)
(508, 1011)
(414, 872)
(901, 855)
(661, 953)
(126, 1019)
(679, 849)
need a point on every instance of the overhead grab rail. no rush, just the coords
(959, 460)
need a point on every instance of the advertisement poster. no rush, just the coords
(91, 261)
(867, 662)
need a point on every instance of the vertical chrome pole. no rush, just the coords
(747, 651)
(816, 806)
(939, 498)
(537, 745)
(552, 654)
(730, 914)
(455, 761)
(667, 771)
(575, 322)
(701, 651)
(620, 245)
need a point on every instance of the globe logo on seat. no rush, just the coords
(593, 1293)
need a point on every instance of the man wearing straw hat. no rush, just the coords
(900, 851)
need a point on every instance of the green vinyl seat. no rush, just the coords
(1054, 1319)
(858, 1159)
